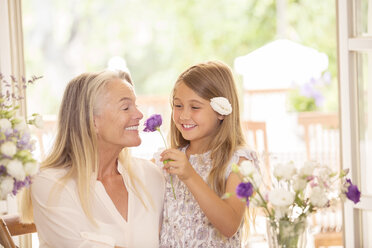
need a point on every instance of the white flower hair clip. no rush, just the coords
(221, 105)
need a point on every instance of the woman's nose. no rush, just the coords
(138, 114)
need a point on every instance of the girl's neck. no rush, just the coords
(196, 148)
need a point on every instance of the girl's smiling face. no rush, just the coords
(194, 116)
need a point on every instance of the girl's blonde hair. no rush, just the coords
(75, 146)
(208, 80)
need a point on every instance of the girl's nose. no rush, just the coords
(185, 115)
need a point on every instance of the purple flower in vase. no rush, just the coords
(24, 140)
(8, 132)
(153, 123)
(2, 170)
(352, 192)
(244, 190)
(20, 184)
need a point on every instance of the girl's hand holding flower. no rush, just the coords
(178, 164)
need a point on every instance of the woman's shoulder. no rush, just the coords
(146, 166)
(45, 182)
(148, 173)
(50, 174)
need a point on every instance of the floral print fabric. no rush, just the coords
(184, 223)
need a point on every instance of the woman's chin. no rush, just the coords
(134, 143)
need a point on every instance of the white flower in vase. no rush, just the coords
(285, 171)
(21, 125)
(299, 183)
(39, 122)
(15, 169)
(318, 197)
(281, 198)
(294, 195)
(17, 164)
(31, 168)
(5, 124)
(6, 186)
(247, 168)
(307, 169)
(8, 149)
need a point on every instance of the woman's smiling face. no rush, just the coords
(117, 118)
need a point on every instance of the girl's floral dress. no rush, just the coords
(184, 223)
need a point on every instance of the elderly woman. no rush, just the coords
(90, 192)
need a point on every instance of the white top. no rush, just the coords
(61, 222)
(184, 223)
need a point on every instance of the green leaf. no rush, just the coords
(166, 161)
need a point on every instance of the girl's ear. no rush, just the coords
(220, 117)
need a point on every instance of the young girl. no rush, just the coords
(206, 139)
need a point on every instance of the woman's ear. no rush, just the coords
(221, 117)
(95, 121)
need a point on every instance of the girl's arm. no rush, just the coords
(225, 215)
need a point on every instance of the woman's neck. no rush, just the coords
(107, 162)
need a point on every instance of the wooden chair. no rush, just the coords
(325, 239)
(10, 225)
(321, 135)
(257, 138)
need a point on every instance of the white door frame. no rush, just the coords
(12, 63)
(348, 44)
(11, 42)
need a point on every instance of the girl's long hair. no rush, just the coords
(75, 145)
(208, 80)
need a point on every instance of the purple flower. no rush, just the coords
(2, 170)
(327, 77)
(20, 184)
(353, 192)
(309, 90)
(319, 98)
(244, 190)
(24, 140)
(152, 123)
(8, 132)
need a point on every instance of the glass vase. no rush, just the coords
(285, 233)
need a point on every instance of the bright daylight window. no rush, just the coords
(157, 40)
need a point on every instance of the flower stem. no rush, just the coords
(161, 134)
(174, 193)
(166, 161)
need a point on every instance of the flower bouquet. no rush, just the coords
(292, 196)
(17, 164)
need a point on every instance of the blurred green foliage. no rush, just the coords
(315, 95)
(158, 38)
(301, 103)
